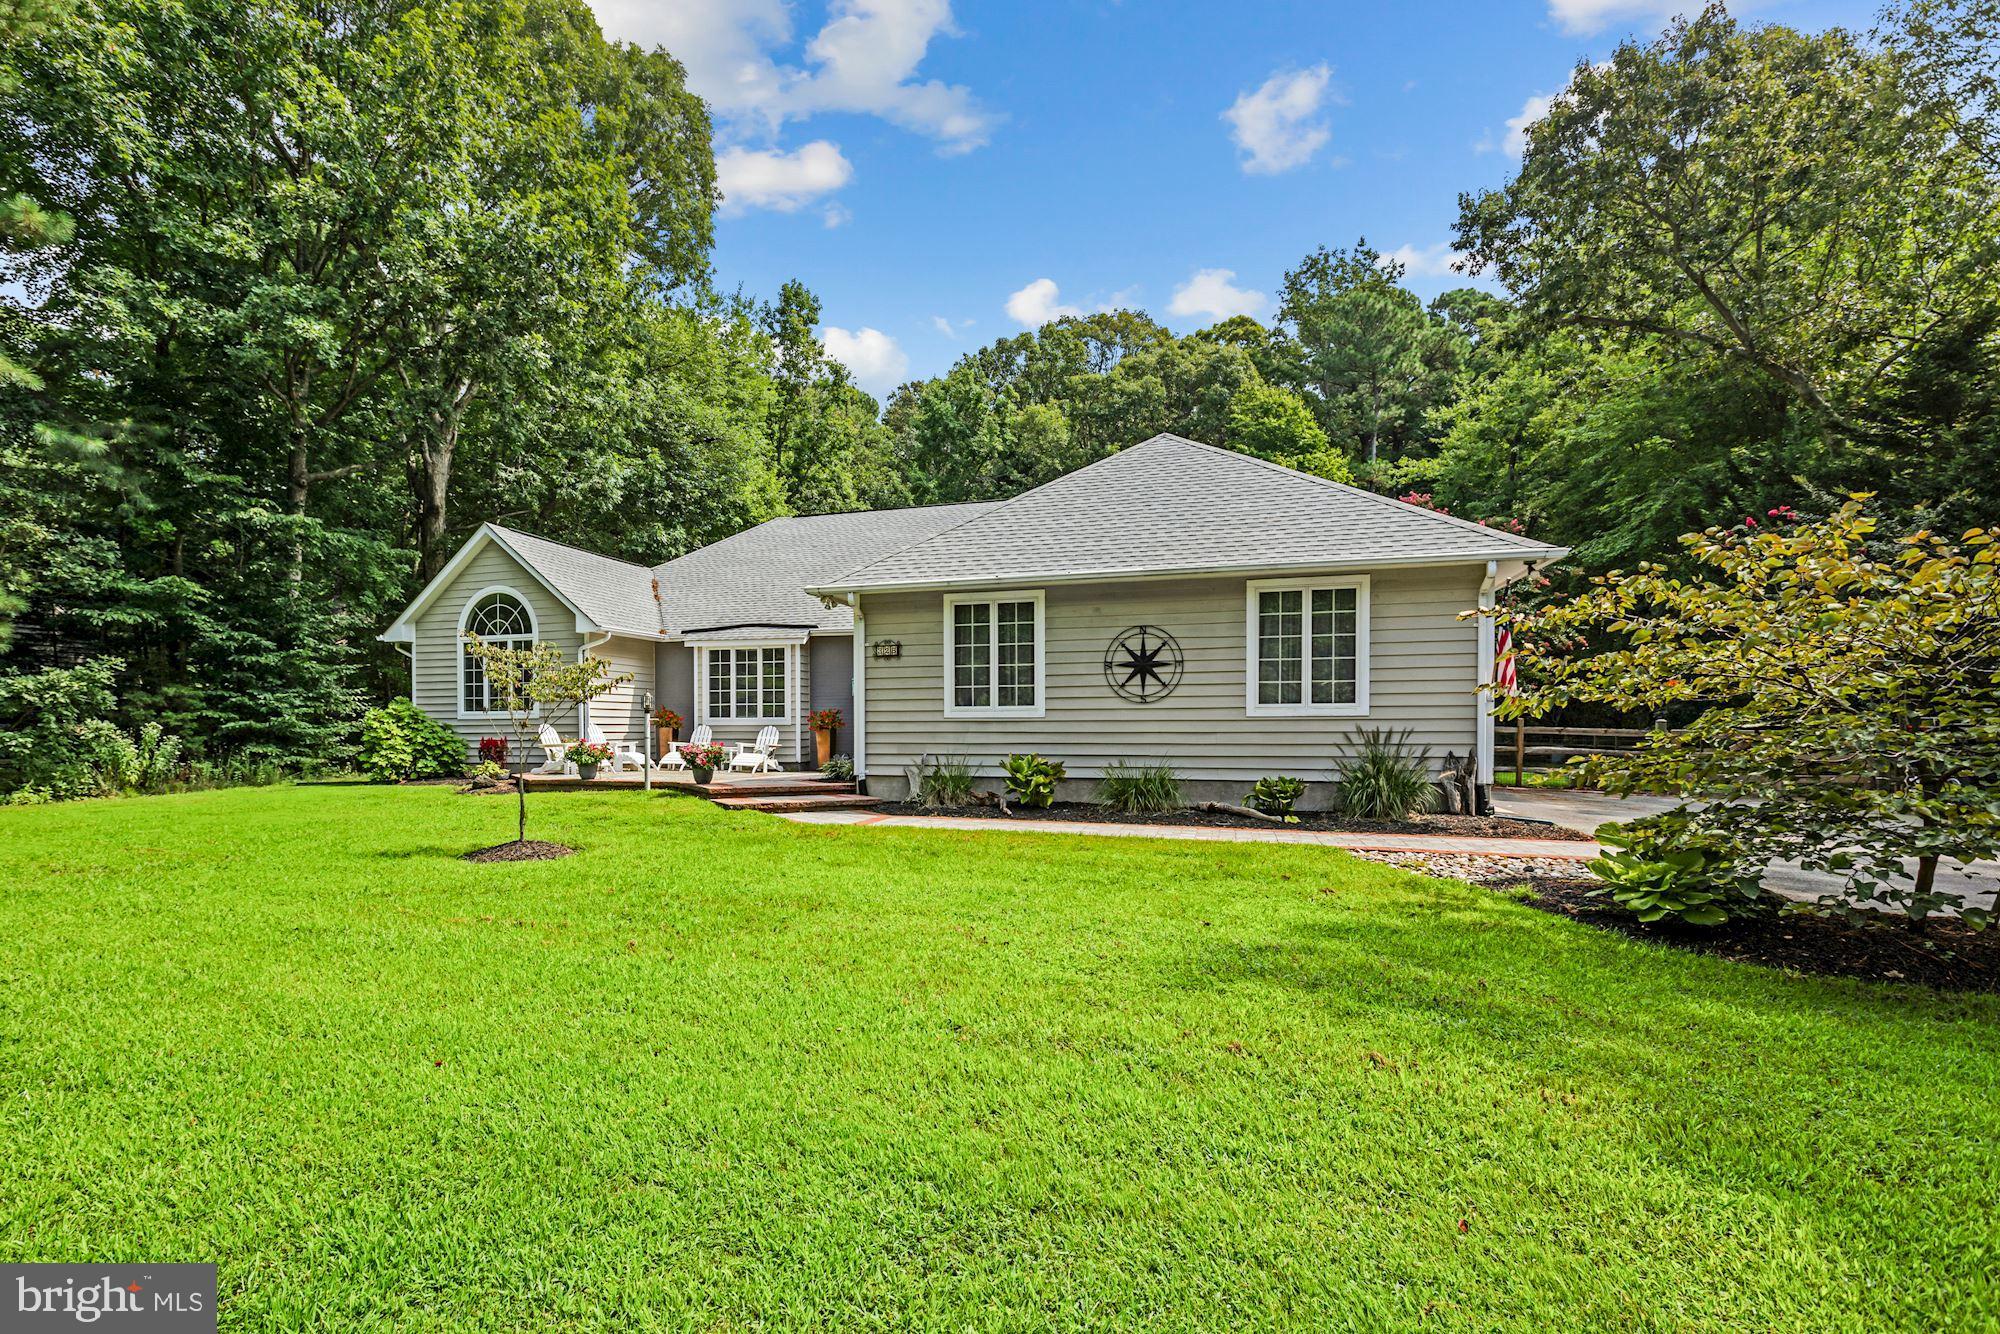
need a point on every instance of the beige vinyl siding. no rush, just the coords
(621, 712)
(794, 738)
(434, 652)
(1423, 666)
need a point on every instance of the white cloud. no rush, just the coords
(1431, 261)
(1213, 294)
(1515, 142)
(1588, 16)
(877, 361)
(836, 214)
(865, 60)
(1275, 125)
(1036, 304)
(766, 178)
(948, 327)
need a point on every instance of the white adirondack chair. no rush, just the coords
(625, 755)
(759, 754)
(552, 749)
(702, 735)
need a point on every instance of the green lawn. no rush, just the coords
(724, 1071)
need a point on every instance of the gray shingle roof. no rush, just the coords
(1169, 505)
(760, 575)
(617, 594)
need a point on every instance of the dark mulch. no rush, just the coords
(1455, 826)
(527, 850)
(1947, 956)
(504, 788)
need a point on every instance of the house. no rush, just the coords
(1171, 603)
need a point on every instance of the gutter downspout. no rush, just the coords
(1483, 771)
(860, 686)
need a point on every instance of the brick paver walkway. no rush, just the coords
(1489, 847)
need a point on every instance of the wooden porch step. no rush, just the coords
(772, 805)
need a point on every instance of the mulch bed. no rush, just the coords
(1452, 826)
(527, 850)
(1958, 958)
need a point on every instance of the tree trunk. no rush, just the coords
(430, 479)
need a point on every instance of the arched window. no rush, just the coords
(500, 617)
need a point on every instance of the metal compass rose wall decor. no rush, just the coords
(1143, 664)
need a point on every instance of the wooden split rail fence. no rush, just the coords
(1555, 745)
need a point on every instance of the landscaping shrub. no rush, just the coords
(944, 780)
(1140, 787)
(1031, 780)
(125, 765)
(1386, 778)
(493, 750)
(840, 768)
(1663, 867)
(398, 743)
(1277, 796)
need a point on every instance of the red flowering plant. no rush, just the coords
(581, 753)
(493, 750)
(702, 755)
(666, 718)
(828, 720)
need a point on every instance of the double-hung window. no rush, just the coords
(748, 684)
(993, 655)
(1308, 647)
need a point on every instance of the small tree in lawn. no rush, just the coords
(1849, 686)
(535, 685)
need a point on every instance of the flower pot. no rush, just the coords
(667, 735)
(586, 771)
(701, 775)
(823, 741)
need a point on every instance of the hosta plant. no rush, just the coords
(1660, 868)
(1031, 780)
(1276, 796)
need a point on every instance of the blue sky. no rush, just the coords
(942, 174)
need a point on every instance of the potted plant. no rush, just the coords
(587, 755)
(669, 724)
(825, 724)
(702, 759)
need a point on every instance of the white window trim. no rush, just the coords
(1040, 706)
(1359, 708)
(701, 652)
(458, 655)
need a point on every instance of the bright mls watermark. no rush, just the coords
(158, 1299)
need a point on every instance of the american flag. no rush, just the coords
(1503, 661)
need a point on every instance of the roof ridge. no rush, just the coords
(567, 546)
(999, 505)
(1347, 488)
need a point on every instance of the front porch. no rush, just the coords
(806, 791)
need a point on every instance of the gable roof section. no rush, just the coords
(614, 594)
(602, 593)
(1172, 506)
(759, 577)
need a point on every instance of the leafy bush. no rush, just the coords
(1662, 867)
(122, 764)
(1140, 787)
(398, 742)
(1277, 796)
(487, 773)
(1386, 778)
(944, 780)
(840, 768)
(1031, 780)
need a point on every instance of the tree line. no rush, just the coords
(294, 295)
